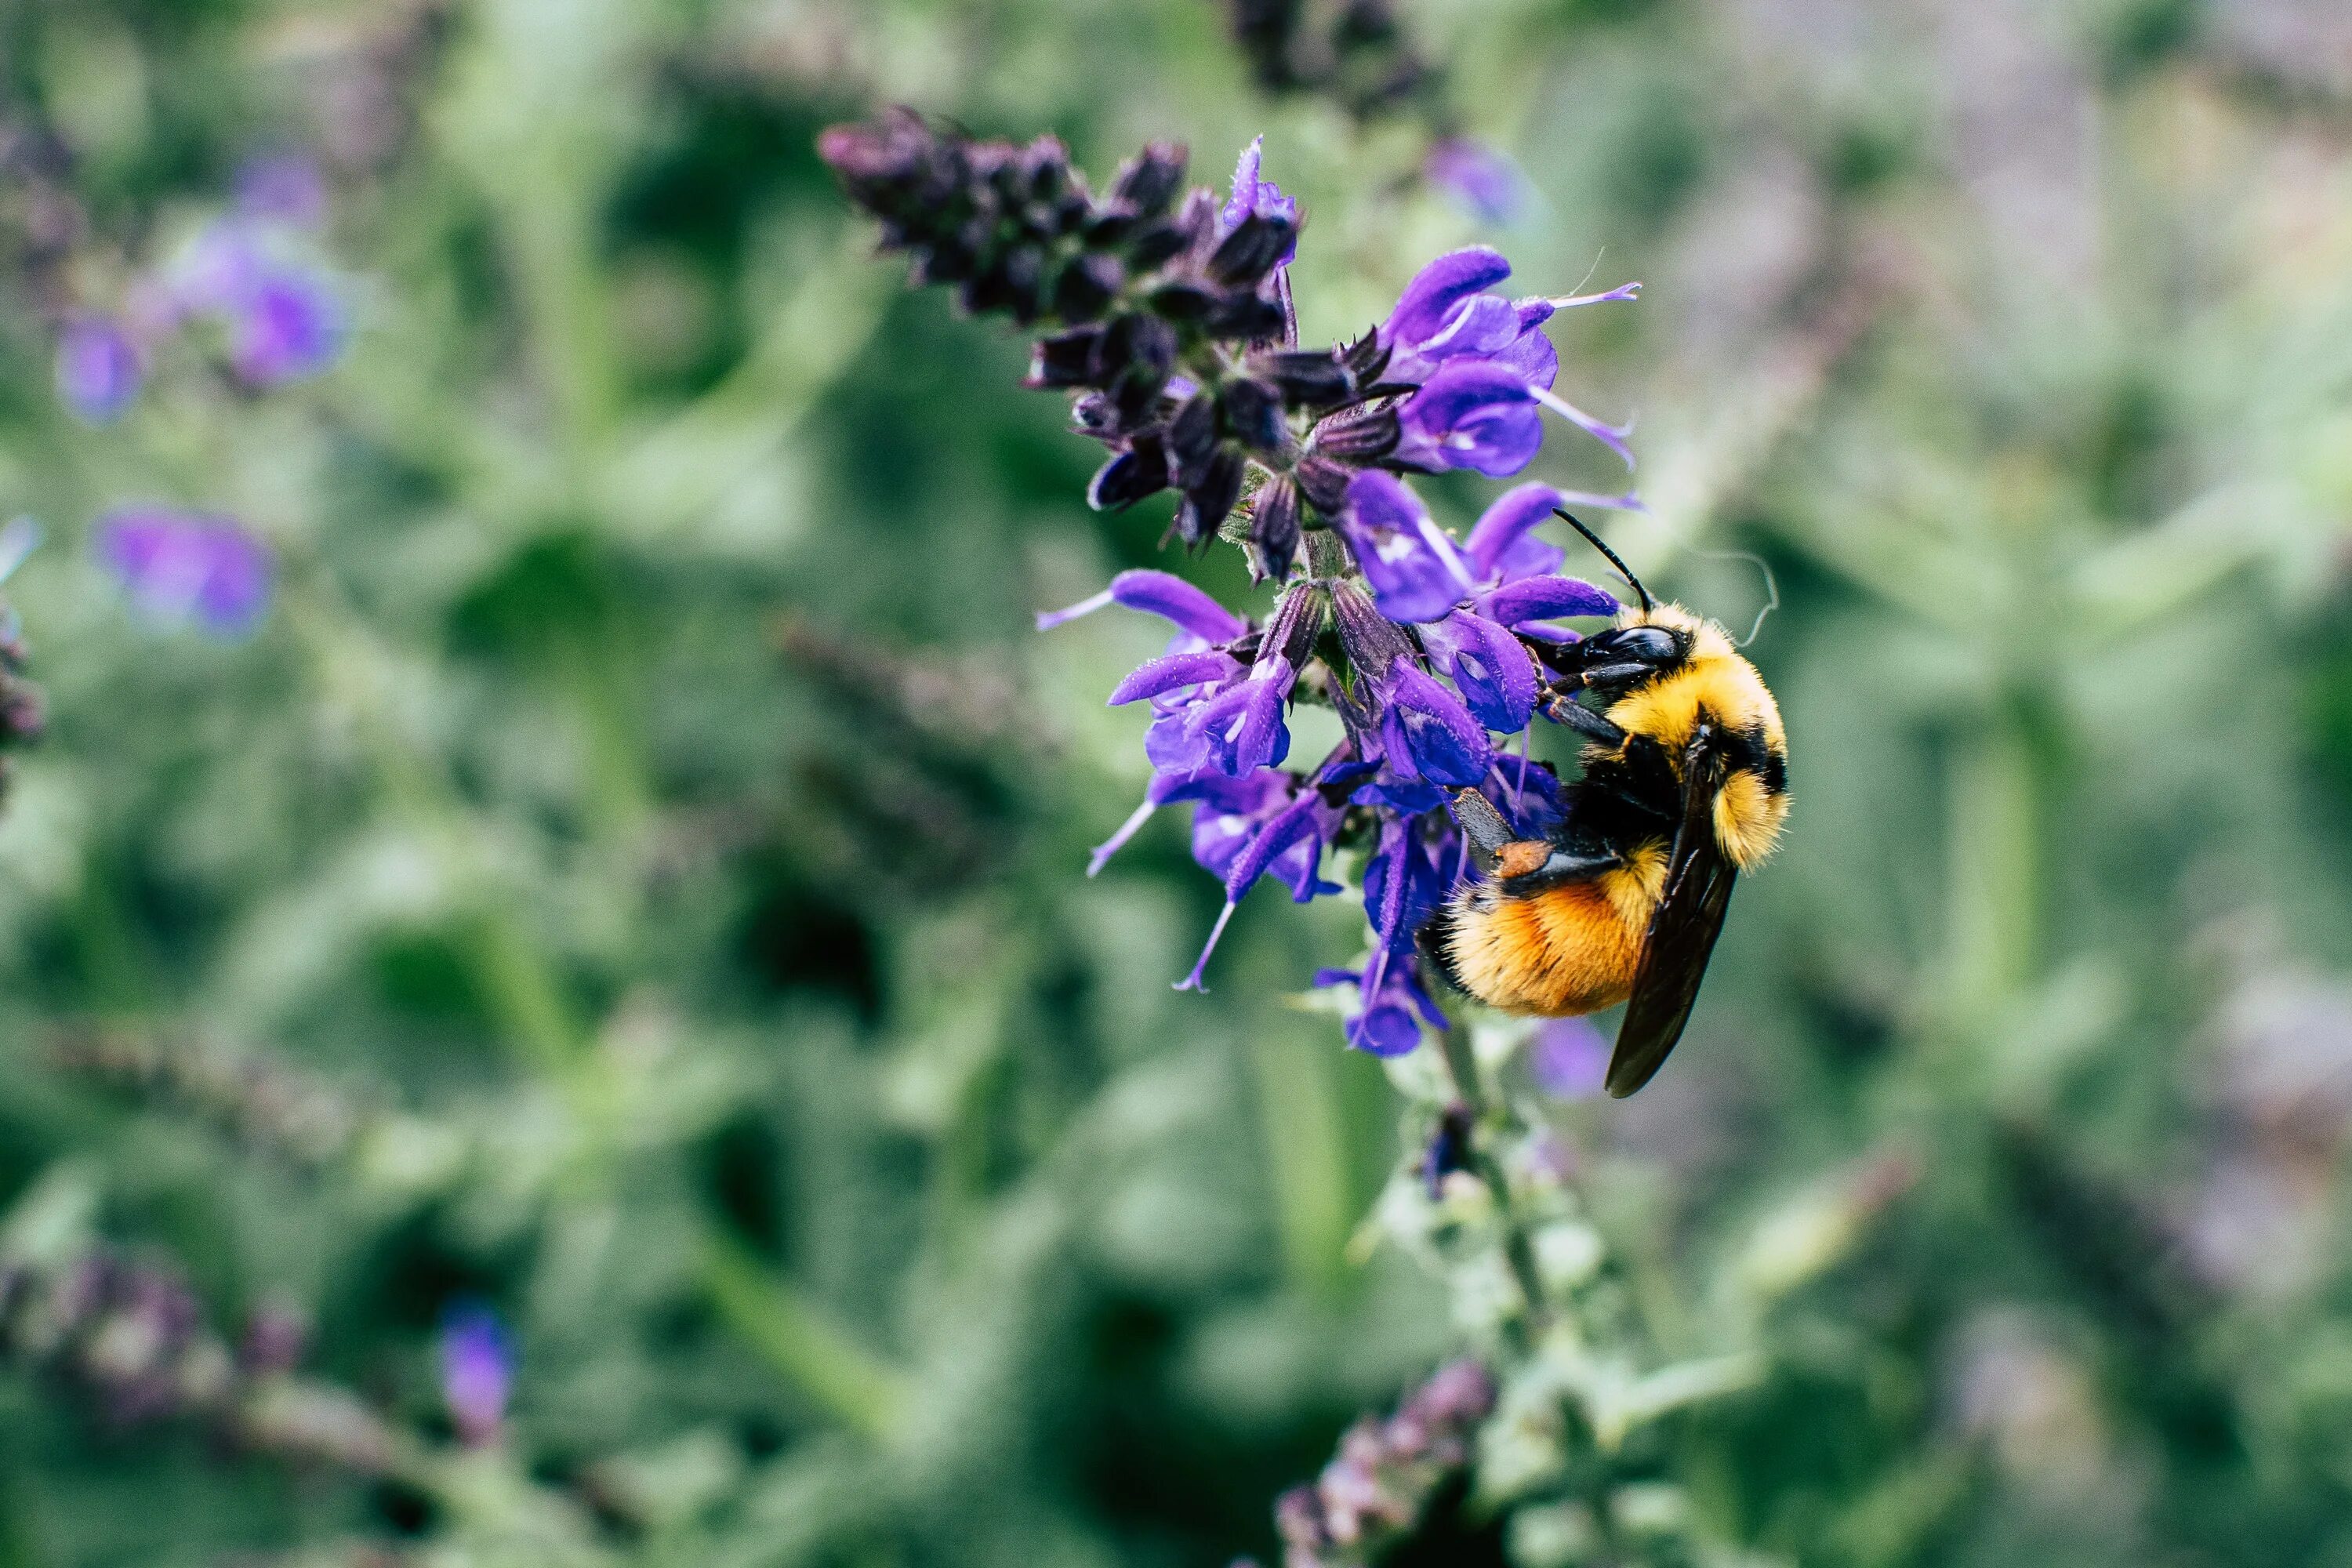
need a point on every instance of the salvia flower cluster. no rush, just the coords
(130, 1338)
(1168, 319)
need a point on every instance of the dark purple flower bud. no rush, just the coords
(1248, 316)
(1366, 359)
(1496, 675)
(1160, 594)
(1253, 415)
(1155, 247)
(1543, 598)
(1191, 437)
(99, 369)
(476, 1372)
(1448, 1150)
(1148, 182)
(1413, 570)
(1310, 379)
(1134, 360)
(1324, 482)
(1487, 183)
(1086, 285)
(1568, 1059)
(1252, 250)
(1141, 470)
(1274, 526)
(1371, 640)
(1470, 414)
(1428, 734)
(1065, 359)
(1185, 303)
(1359, 439)
(1211, 499)
(185, 567)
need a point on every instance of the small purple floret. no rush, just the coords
(478, 1364)
(182, 567)
(99, 369)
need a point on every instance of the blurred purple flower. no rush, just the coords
(1568, 1058)
(1486, 181)
(181, 567)
(99, 369)
(284, 320)
(282, 187)
(478, 1364)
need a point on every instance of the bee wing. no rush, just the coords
(1682, 932)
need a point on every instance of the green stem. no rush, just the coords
(1518, 1249)
(793, 1334)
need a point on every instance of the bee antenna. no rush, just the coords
(1614, 559)
(1771, 587)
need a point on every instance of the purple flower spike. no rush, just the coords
(99, 369)
(1472, 414)
(1568, 1059)
(1484, 180)
(1414, 571)
(1429, 735)
(1496, 675)
(476, 1372)
(184, 568)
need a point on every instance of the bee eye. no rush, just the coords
(1651, 645)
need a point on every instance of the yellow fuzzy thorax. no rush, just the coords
(1714, 681)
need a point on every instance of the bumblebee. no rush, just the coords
(1684, 785)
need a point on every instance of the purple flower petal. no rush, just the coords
(1241, 728)
(1422, 309)
(1414, 571)
(1173, 671)
(1472, 414)
(288, 325)
(1252, 194)
(1159, 594)
(99, 369)
(1543, 598)
(1498, 543)
(1496, 675)
(1429, 735)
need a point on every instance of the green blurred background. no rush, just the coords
(634, 876)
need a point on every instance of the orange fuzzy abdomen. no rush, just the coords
(1567, 951)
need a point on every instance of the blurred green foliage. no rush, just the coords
(646, 836)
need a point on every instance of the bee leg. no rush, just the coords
(1567, 712)
(1490, 837)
